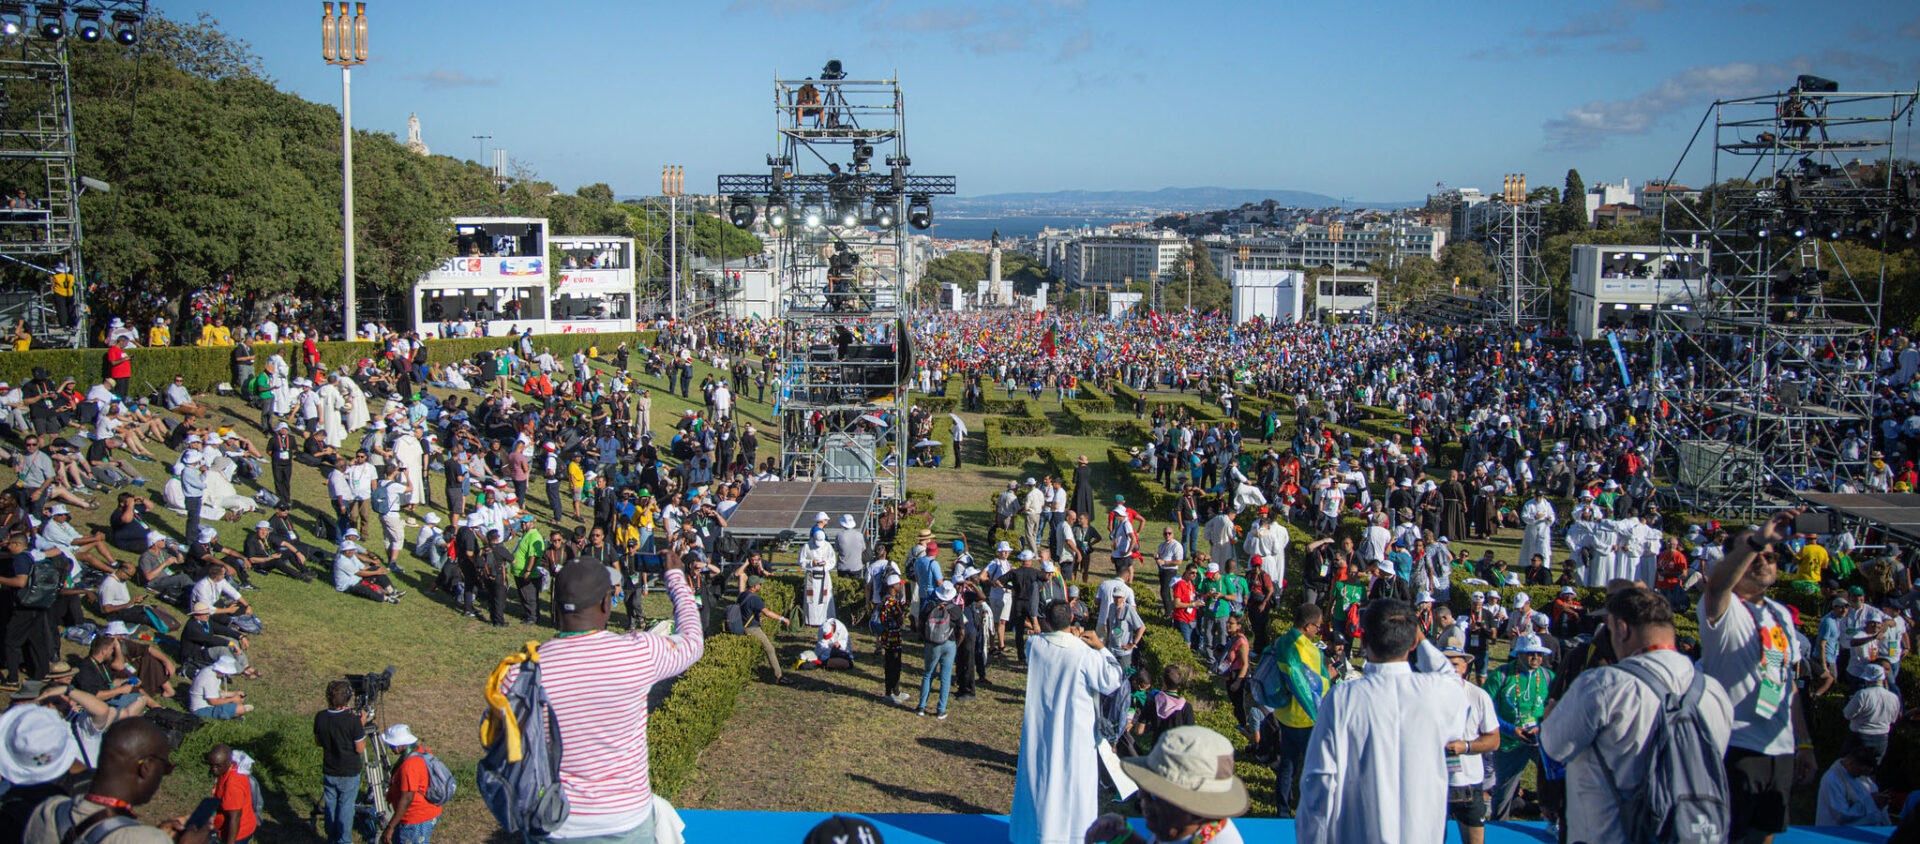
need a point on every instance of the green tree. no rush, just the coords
(1572, 215)
(1466, 262)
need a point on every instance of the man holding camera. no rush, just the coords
(342, 736)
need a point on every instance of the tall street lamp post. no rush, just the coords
(343, 42)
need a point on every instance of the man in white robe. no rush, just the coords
(1623, 535)
(1376, 764)
(1537, 516)
(412, 459)
(1267, 541)
(817, 559)
(1219, 535)
(1056, 786)
(357, 412)
(333, 405)
(1583, 539)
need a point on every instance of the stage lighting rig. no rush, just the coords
(1798, 229)
(1831, 230)
(126, 28)
(740, 213)
(882, 213)
(89, 27)
(53, 24)
(812, 214)
(920, 212)
(778, 214)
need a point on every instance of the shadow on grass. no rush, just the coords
(970, 750)
(933, 800)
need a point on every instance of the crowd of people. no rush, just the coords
(525, 483)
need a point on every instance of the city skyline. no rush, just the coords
(1045, 95)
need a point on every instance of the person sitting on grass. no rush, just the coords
(360, 574)
(833, 650)
(208, 699)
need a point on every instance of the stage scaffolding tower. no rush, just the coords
(37, 148)
(1768, 365)
(837, 199)
(1513, 238)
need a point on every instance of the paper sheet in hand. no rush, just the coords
(1111, 761)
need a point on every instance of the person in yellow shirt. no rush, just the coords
(22, 338)
(1809, 565)
(63, 289)
(159, 336)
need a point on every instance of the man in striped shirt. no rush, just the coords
(598, 682)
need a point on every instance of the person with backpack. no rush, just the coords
(132, 763)
(390, 493)
(1292, 687)
(749, 611)
(238, 814)
(1641, 734)
(411, 789)
(29, 589)
(940, 629)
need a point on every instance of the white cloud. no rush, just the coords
(1590, 125)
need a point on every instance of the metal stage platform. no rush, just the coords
(1897, 513)
(783, 511)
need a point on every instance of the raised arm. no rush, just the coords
(688, 641)
(1717, 594)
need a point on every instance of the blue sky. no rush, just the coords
(1374, 100)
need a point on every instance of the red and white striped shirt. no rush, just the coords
(598, 685)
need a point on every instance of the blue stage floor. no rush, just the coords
(792, 827)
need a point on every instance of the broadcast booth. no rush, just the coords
(495, 283)
(593, 285)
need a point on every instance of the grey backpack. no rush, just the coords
(520, 779)
(1682, 798)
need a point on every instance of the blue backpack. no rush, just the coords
(1683, 794)
(519, 776)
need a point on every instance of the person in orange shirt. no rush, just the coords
(413, 814)
(234, 789)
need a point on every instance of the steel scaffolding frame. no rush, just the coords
(1514, 240)
(1756, 371)
(839, 270)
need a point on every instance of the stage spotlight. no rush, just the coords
(1760, 229)
(833, 70)
(882, 214)
(1868, 232)
(849, 216)
(777, 212)
(14, 18)
(89, 27)
(741, 213)
(126, 28)
(1901, 231)
(920, 212)
(1797, 229)
(1831, 230)
(813, 216)
(52, 26)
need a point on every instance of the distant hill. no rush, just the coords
(1137, 201)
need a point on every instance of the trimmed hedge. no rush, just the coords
(205, 367)
(696, 711)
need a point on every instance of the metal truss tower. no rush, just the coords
(838, 198)
(1514, 238)
(1770, 365)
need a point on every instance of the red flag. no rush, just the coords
(1046, 343)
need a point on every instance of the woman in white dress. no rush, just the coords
(358, 413)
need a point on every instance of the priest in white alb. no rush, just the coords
(1537, 517)
(1056, 786)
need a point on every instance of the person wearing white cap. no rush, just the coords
(1376, 762)
(850, 547)
(38, 752)
(360, 574)
(999, 596)
(1519, 692)
(1871, 712)
(1186, 792)
(1056, 784)
(430, 545)
(207, 699)
(1032, 513)
(940, 630)
(193, 489)
(413, 816)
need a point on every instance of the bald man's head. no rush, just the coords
(133, 761)
(219, 758)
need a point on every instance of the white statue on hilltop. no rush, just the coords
(414, 144)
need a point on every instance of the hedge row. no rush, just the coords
(696, 711)
(205, 367)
